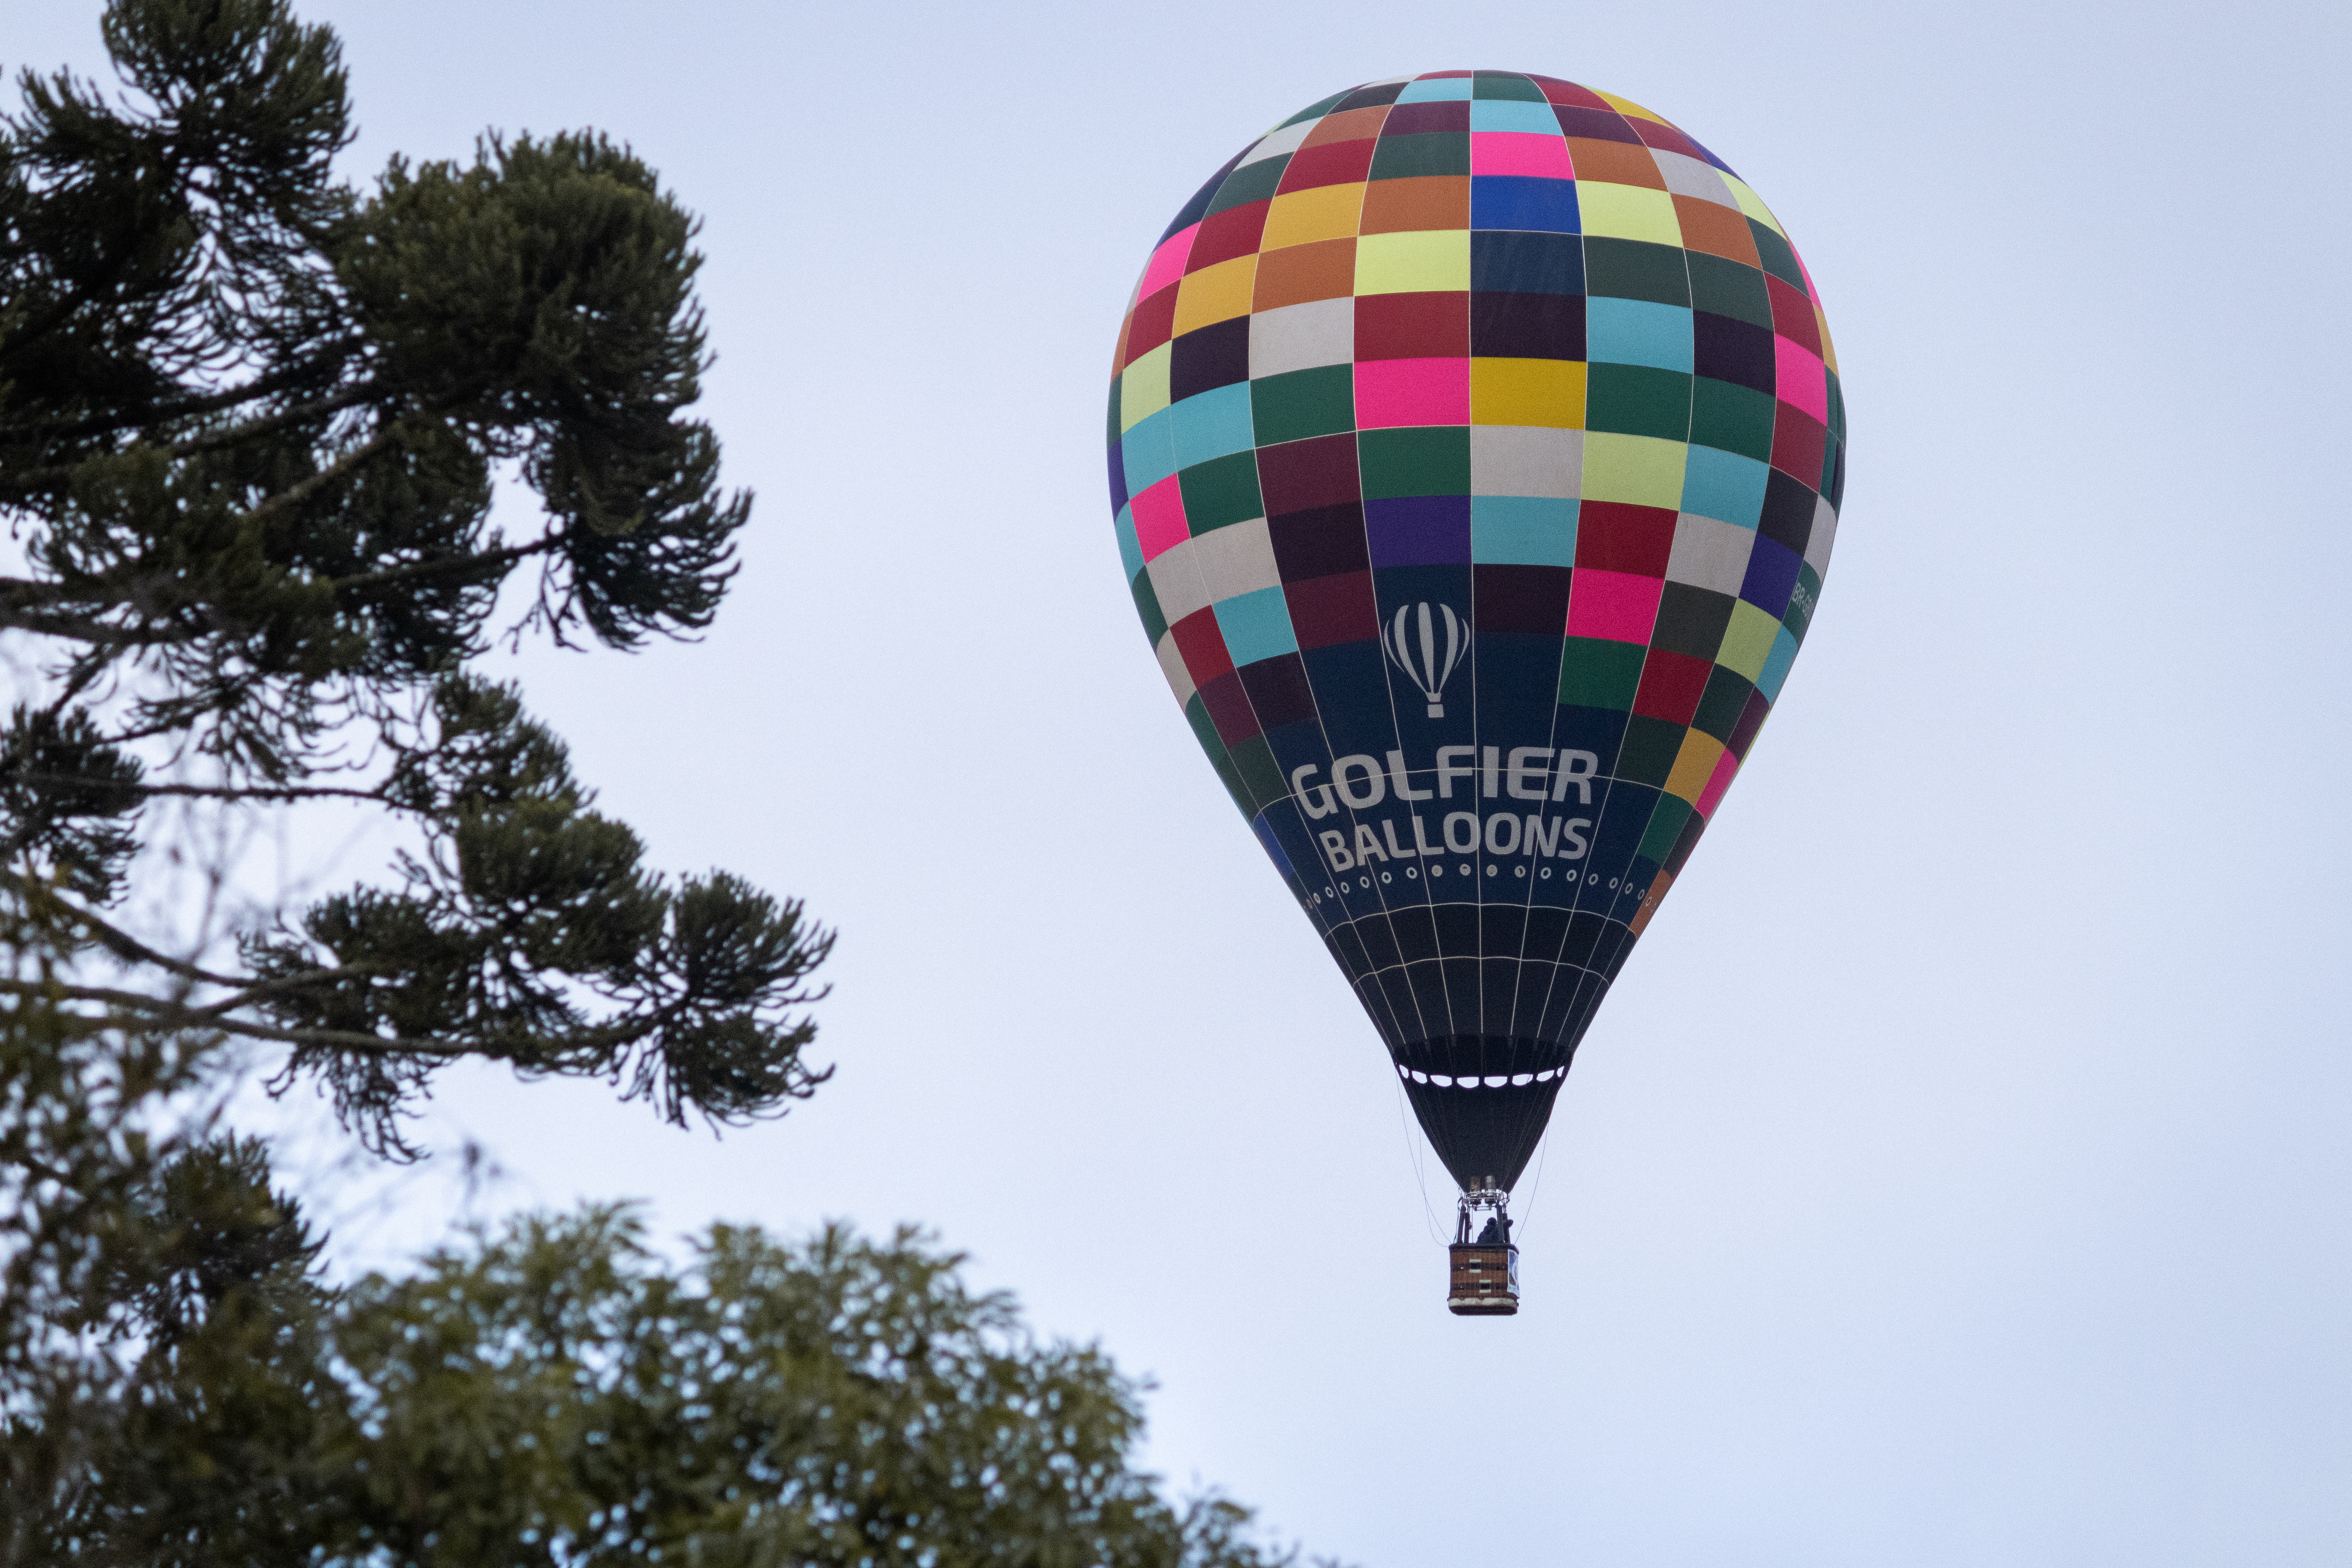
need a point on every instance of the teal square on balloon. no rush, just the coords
(1522, 531)
(1149, 451)
(1776, 665)
(1443, 90)
(1513, 114)
(1724, 486)
(1637, 331)
(1130, 552)
(1212, 425)
(1257, 626)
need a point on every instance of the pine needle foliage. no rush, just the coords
(252, 419)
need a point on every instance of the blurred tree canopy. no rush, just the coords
(252, 420)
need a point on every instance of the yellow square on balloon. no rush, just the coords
(1548, 392)
(1215, 293)
(1694, 765)
(1747, 640)
(1143, 387)
(1301, 217)
(1627, 106)
(1424, 261)
(1627, 212)
(1640, 470)
(1753, 205)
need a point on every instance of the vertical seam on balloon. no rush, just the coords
(1388, 683)
(1552, 735)
(1593, 977)
(1370, 986)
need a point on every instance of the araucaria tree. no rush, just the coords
(252, 419)
(250, 423)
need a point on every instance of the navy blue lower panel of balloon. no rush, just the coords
(1485, 1124)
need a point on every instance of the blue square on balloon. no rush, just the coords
(1724, 486)
(1130, 551)
(1522, 531)
(1257, 626)
(1522, 202)
(1776, 665)
(1771, 575)
(1212, 425)
(1149, 451)
(1352, 696)
(1513, 114)
(1419, 531)
(1638, 332)
(1436, 89)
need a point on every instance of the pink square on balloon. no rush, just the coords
(1520, 152)
(1391, 392)
(1160, 518)
(1167, 263)
(1718, 781)
(1619, 606)
(1798, 379)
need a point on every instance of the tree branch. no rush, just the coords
(210, 402)
(32, 479)
(212, 792)
(174, 1014)
(505, 557)
(296, 494)
(121, 944)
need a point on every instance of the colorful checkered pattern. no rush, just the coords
(1486, 352)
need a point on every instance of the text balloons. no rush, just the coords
(1476, 444)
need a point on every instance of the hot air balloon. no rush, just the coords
(1475, 449)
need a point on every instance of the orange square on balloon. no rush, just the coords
(1717, 230)
(1324, 271)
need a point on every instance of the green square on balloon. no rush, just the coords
(1222, 490)
(1650, 749)
(1778, 257)
(1731, 418)
(1146, 604)
(1800, 612)
(1728, 288)
(1724, 699)
(1261, 775)
(1637, 400)
(1666, 821)
(1594, 673)
(1420, 460)
(1635, 269)
(1302, 402)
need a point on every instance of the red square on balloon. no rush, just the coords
(1299, 475)
(1203, 646)
(1335, 609)
(1797, 441)
(1672, 684)
(1617, 536)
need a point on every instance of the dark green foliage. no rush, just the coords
(250, 423)
(177, 1387)
(834, 1402)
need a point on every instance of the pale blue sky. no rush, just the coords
(1958, 1173)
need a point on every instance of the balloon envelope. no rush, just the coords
(1475, 447)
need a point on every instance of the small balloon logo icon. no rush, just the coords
(1425, 641)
